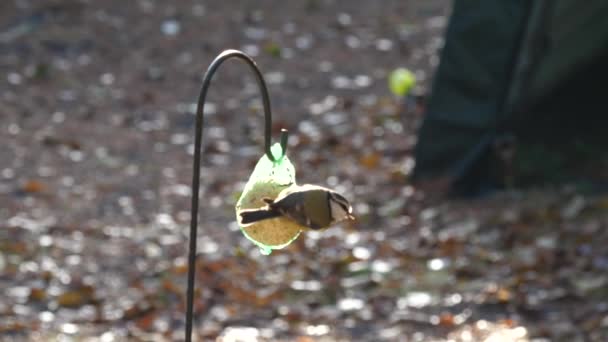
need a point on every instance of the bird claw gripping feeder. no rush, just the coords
(273, 173)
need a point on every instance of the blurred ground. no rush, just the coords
(96, 115)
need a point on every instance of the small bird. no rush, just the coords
(309, 205)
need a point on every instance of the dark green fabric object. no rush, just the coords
(469, 87)
(530, 71)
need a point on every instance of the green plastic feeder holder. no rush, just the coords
(267, 180)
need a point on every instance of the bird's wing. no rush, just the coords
(290, 206)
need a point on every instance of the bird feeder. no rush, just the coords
(273, 173)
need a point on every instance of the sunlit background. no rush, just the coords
(97, 102)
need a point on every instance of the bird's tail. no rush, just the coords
(255, 215)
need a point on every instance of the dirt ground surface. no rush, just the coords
(96, 120)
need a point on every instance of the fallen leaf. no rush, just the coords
(37, 295)
(77, 297)
(304, 339)
(146, 322)
(34, 186)
(370, 160)
(446, 319)
(503, 295)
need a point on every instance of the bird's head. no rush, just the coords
(340, 207)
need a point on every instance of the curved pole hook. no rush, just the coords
(198, 137)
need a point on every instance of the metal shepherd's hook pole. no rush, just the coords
(198, 137)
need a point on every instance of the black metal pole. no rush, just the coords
(215, 64)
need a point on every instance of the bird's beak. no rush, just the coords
(351, 217)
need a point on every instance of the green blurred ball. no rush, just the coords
(401, 81)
